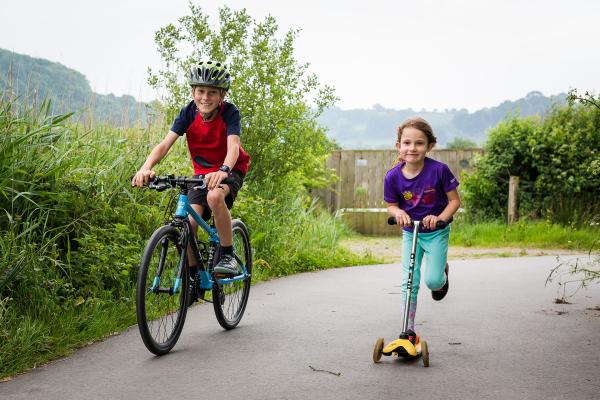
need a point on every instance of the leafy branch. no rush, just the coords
(587, 98)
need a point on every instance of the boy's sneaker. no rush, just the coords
(441, 293)
(227, 266)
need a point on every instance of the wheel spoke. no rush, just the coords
(233, 295)
(161, 313)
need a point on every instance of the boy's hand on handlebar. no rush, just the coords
(142, 177)
(403, 219)
(214, 179)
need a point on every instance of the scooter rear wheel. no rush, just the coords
(424, 353)
(378, 350)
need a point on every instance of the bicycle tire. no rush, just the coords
(161, 314)
(229, 300)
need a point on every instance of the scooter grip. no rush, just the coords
(438, 225)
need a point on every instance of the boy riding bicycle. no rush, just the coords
(212, 127)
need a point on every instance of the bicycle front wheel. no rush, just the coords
(230, 299)
(162, 291)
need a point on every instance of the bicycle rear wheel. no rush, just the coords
(230, 299)
(161, 298)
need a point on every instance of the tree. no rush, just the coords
(279, 126)
(461, 143)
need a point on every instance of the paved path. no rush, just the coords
(498, 335)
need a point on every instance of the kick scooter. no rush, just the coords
(403, 347)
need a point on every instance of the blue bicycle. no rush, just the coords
(163, 287)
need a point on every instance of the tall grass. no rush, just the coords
(63, 258)
(72, 230)
(533, 234)
(291, 234)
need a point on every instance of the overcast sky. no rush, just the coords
(424, 53)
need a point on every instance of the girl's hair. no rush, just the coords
(420, 124)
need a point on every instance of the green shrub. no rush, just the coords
(557, 160)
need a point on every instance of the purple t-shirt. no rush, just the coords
(423, 195)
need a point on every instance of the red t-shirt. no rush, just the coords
(207, 141)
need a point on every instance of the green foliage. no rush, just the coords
(588, 98)
(71, 233)
(31, 340)
(279, 127)
(459, 143)
(557, 160)
(523, 234)
(485, 190)
(287, 237)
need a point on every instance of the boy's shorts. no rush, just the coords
(198, 196)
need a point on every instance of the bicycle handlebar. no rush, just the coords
(438, 225)
(161, 183)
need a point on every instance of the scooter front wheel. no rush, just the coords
(378, 350)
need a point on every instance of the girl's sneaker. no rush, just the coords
(441, 293)
(411, 336)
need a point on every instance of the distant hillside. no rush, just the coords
(375, 128)
(36, 78)
(351, 129)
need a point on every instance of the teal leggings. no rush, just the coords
(435, 246)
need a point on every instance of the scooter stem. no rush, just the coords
(411, 270)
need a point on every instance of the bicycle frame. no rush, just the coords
(183, 211)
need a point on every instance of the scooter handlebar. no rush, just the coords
(438, 225)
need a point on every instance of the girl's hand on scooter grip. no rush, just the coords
(430, 222)
(403, 219)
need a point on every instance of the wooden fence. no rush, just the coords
(358, 192)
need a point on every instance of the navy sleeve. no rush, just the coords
(232, 119)
(184, 119)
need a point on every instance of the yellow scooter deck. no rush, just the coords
(402, 348)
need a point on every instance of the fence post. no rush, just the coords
(513, 194)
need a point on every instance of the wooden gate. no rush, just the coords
(358, 191)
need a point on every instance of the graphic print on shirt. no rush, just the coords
(429, 196)
(411, 198)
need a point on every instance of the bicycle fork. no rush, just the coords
(174, 289)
